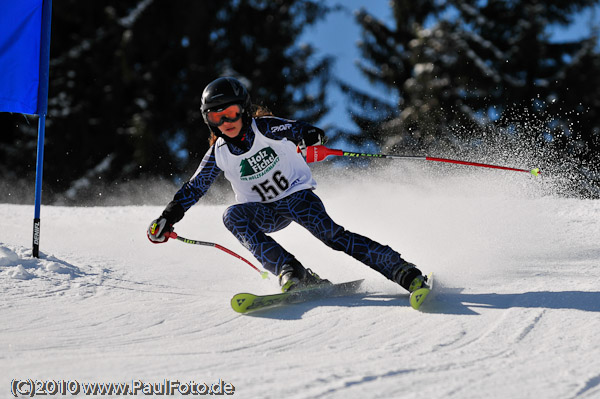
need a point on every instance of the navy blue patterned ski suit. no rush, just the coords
(252, 222)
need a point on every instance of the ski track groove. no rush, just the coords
(350, 382)
(531, 326)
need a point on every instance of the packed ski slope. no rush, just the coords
(515, 312)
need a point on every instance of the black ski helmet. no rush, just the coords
(221, 93)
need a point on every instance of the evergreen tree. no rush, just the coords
(479, 72)
(388, 62)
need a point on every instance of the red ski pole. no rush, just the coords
(214, 245)
(318, 153)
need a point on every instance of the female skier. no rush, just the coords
(273, 186)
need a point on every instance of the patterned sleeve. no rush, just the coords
(295, 131)
(199, 184)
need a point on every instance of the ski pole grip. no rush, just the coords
(317, 153)
(171, 234)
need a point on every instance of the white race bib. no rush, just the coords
(271, 170)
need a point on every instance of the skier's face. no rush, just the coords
(231, 129)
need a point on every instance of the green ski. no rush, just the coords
(244, 302)
(417, 297)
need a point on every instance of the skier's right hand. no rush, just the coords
(157, 230)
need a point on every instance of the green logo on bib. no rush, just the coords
(259, 164)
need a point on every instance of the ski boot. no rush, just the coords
(294, 276)
(409, 277)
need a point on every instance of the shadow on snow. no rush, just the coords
(458, 303)
(446, 302)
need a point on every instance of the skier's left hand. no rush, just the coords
(314, 136)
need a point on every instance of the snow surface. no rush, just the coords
(515, 312)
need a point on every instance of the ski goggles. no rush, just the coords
(230, 114)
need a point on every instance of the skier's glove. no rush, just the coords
(157, 229)
(314, 136)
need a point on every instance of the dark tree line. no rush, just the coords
(126, 79)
